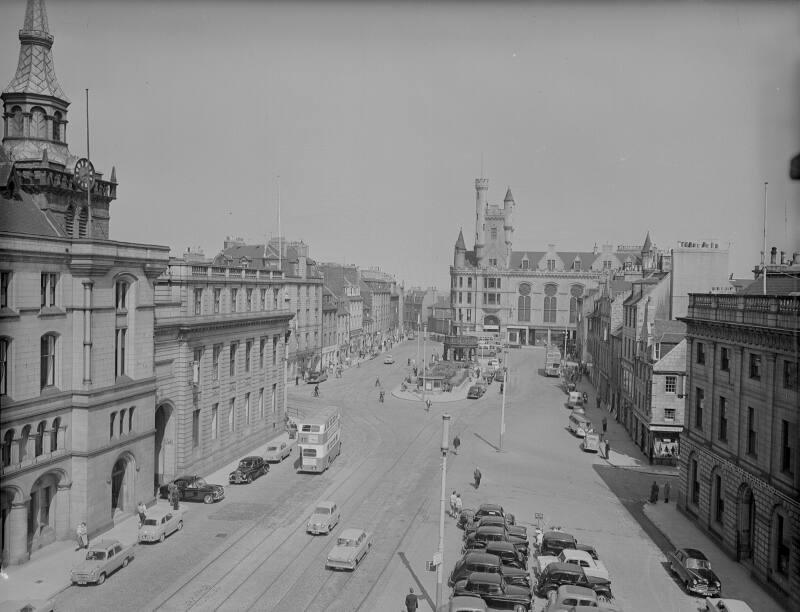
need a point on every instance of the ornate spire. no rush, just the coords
(509, 196)
(460, 244)
(647, 243)
(35, 70)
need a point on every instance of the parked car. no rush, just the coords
(475, 392)
(103, 558)
(567, 596)
(694, 571)
(574, 399)
(248, 470)
(324, 518)
(593, 554)
(509, 555)
(495, 591)
(498, 521)
(466, 603)
(556, 574)
(317, 377)
(278, 451)
(477, 561)
(194, 488)
(351, 547)
(491, 533)
(160, 523)
(489, 510)
(584, 559)
(553, 542)
(388, 360)
(726, 605)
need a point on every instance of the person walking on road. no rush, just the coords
(428, 405)
(82, 535)
(597, 401)
(411, 601)
(477, 476)
(654, 492)
(141, 510)
(605, 423)
(456, 444)
(666, 492)
(459, 505)
(453, 503)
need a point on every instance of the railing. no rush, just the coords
(781, 312)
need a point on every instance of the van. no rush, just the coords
(575, 399)
(591, 442)
(579, 425)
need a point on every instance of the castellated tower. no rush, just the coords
(481, 187)
(508, 227)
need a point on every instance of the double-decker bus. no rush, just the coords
(318, 439)
(552, 362)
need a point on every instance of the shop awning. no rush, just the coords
(666, 428)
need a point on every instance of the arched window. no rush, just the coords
(54, 434)
(38, 123)
(69, 220)
(575, 291)
(130, 418)
(15, 122)
(48, 360)
(780, 545)
(112, 417)
(550, 304)
(122, 287)
(121, 420)
(23, 442)
(83, 222)
(524, 302)
(5, 362)
(717, 508)
(57, 126)
(8, 440)
(39, 442)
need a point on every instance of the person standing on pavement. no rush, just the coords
(411, 601)
(654, 492)
(377, 382)
(459, 505)
(453, 503)
(477, 476)
(141, 510)
(82, 535)
(666, 492)
(456, 444)
(605, 424)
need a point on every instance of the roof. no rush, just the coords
(674, 360)
(509, 196)
(460, 244)
(557, 566)
(647, 243)
(23, 216)
(485, 577)
(783, 284)
(669, 331)
(351, 533)
(694, 553)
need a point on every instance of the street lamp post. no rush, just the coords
(439, 560)
(503, 406)
(424, 350)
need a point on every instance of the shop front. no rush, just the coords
(664, 444)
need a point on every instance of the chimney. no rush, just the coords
(783, 258)
(796, 259)
(773, 253)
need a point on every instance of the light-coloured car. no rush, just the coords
(567, 596)
(726, 605)
(467, 603)
(351, 547)
(102, 559)
(278, 451)
(585, 560)
(325, 517)
(159, 524)
(388, 360)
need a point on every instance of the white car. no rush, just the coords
(325, 517)
(388, 359)
(278, 451)
(351, 547)
(585, 560)
(160, 523)
(726, 605)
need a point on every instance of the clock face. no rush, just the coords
(84, 174)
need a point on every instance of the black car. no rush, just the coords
(194, 488)
(553, 542)
(508, 554)
(475, 392)
(694, 571)
(556, 574)
(317, 377)
(248, 470)
(495, 591)
(498, 521)
(493, 533)
(476, 561)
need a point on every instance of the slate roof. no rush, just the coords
(509, 196)
(674, 361)
(23, 216)
(776, 284)
(647, 243)
(669, 332)
(587, 258)
(460, 242)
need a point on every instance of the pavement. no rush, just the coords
(47, 572)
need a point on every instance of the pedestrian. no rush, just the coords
(459, 505)
(539, 538)
(456, 444)
(477, 476)
(654, 492)
(409, 361)
(428, 405)
(296, 380)
(141, 509)
(605, 424)
(453, 503)
(377, 382)
(666, 492)
(501, 388)
(411, 601)
(82, 535)
(174, 496)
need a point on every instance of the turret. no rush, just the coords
(508, 225)
(460, 251)
(481, 187)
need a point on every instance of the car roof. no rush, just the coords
(491, 529)
(694, 553)
(574, 553)
(351, 533)
(327, 504)
(251, 458)
(105, 543)
(557, 566)
(558, 535)
(478, 556)
(587, 547)
(492, 507)
(467, 602)
(574, 589)
(500, 545)
(485, 577)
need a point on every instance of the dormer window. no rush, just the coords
(551, 265)
(526, 264)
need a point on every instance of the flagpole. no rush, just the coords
(91, 179)
(764, 256)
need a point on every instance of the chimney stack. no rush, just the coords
(773, 253)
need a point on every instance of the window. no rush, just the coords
(551, 265)
(460, 281)
(723, 419)
(214, 422)
(263, 299)
(198, 301)
(119, 352)
(699, 401)
(669, 414)
(232, 415)
(232, 369)
(246, 408)
(111, 421)
(493, 233)
(752, 435)
(701, 353)
(782, 546)
(5, 360)
(469, 298)
(261, 403)
(195, 428)
(719, 500)
(755, 366)
(724, 364)
(15, 122)
(786, 446)
(576, 291)
(790, 375)
(38, 448)
(54, 434)
(122, 295)
(524, 303)
(695, 481)
(274, 399)
(248, 349)
(526, 264)
(48, 361)
(550, 303)
(217, 300)
(130, 417)
(469, 282)
(197, 356)
(48, 293)
(249, 299)
(275, 298)
(38, 123)
(121, 420)
(215, 361)
(8, 440)
(493, 261)
(670, 384)
(57, 126)
(262, 345)
(5, 284)
(274, 350)
(234, 299)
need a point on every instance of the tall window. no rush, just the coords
(724, 359)
(755, 366)
(232, 369)
(5, 285)
(790, 375)
(261, 403)
(39, 442)
(214, 421)
(217, 300)
(15, 122)
(263, 299)
(551, 265)
(119, 352)
(232, 415)
(112, 419)
(719, 500)
(121, 421)
(122, 295)
(694, 479)
(701, 353)
(48, 292)
(524, 302)
(670, 384)
(274, 399)
(38, 123)
(48, 360)
(57, 126)
(246, 408)
(787, 429)
(195, 428)
(699, 402)
(723, 419)
(248, 349)
(781, 546)
(752, 435)
(5, 360)
(198, 301)
(274, 350)
(249, 299)
(550, 303)
(215, 361)
(130, 417)
(54, 435)
(234, 299)
(493, 233)
(262, 346)
(197, 357)
(576, 291)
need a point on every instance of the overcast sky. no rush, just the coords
(606, 119)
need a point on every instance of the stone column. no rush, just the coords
(63, 525)
(61, 437)
(87, 332)
(18, 532)
(46, 442)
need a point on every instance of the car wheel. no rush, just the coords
(125, 562)
(162, 537)
(208, 498)
(249, 479)
(602, 599)
(101, 578)
(180, 525)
